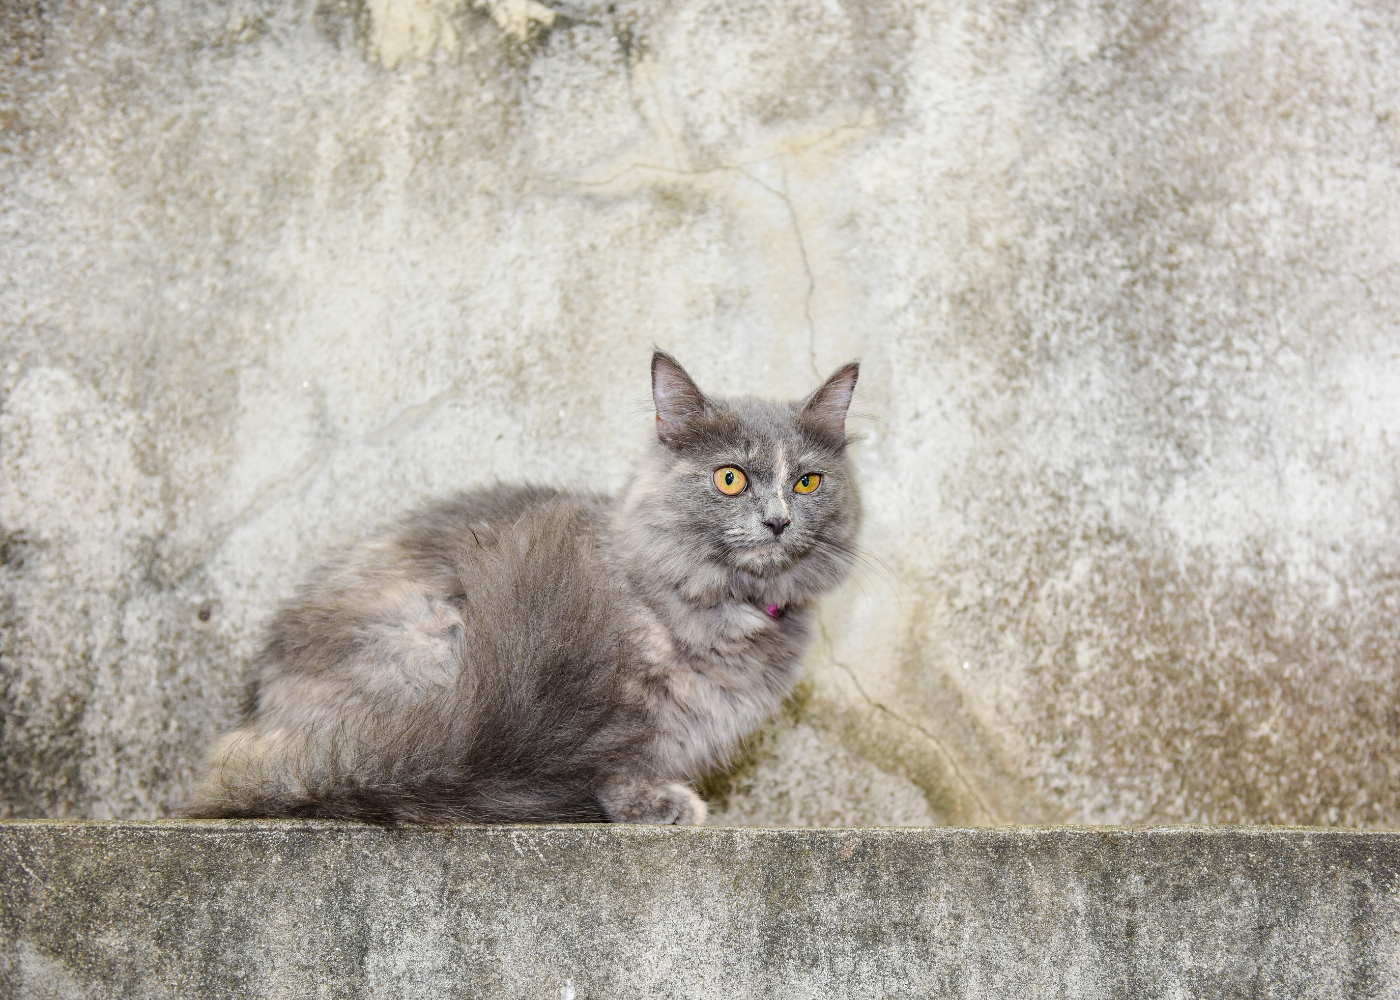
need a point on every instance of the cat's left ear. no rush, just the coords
(678, 400)
(825, 410)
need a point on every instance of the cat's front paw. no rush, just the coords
(627, 800)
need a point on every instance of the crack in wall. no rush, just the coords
(783, 155)
(677, 149)
(782, 195)
(326, 441)
(786, 199)
(407, 420)
(789, 150)
(275, 490)
(411, 417)
(15, 851)
(807, 269)
(942, 748)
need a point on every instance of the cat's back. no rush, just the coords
(451, 578)
(531, 569)
(507, 538)
(437, 536)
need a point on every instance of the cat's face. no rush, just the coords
(761, 491)
(756, 485)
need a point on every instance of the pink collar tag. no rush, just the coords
(774, 611)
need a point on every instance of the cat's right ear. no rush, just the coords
(678, 400)
(825, 410)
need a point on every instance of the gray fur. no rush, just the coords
(531, 655)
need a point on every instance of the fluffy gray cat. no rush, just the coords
(529, 655)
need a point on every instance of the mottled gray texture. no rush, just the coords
(1124, 278)
(293, 909)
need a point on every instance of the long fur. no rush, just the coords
(529, 655)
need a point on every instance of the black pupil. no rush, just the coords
(806, 481)
(729, 479)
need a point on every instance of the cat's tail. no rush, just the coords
(246, 774)
(254, 773)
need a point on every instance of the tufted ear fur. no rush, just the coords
(678, 400)
(825, 410)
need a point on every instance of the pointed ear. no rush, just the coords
(678, 401)
(825, 410)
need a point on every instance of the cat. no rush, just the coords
(530, 655)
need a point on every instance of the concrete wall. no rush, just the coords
(1124, 278)
(290, 909)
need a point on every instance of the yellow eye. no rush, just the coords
(731, 481)
(808, 483)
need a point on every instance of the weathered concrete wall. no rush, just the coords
(1124, 277)
(297, 910)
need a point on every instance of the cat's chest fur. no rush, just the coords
(710, 675)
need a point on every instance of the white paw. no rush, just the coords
(666, 803)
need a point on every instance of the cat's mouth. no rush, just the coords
(765, 556)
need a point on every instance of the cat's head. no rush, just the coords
(759, 488)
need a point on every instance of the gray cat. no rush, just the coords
(529, 655)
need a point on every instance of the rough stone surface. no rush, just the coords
(293, 909)
(1124, 276)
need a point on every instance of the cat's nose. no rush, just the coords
(777, 524)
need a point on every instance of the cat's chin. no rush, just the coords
(764, 560)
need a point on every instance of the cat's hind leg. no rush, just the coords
(627, 799)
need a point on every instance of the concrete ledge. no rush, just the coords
(263, 908)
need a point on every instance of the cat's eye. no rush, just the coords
(731, 481)
(807, 484)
